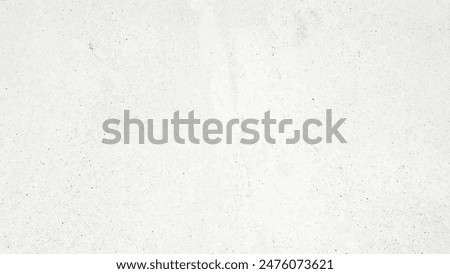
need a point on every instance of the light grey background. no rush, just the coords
(66, 66)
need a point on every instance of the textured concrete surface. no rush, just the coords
(66, 66)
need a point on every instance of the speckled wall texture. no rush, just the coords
(66, 66)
